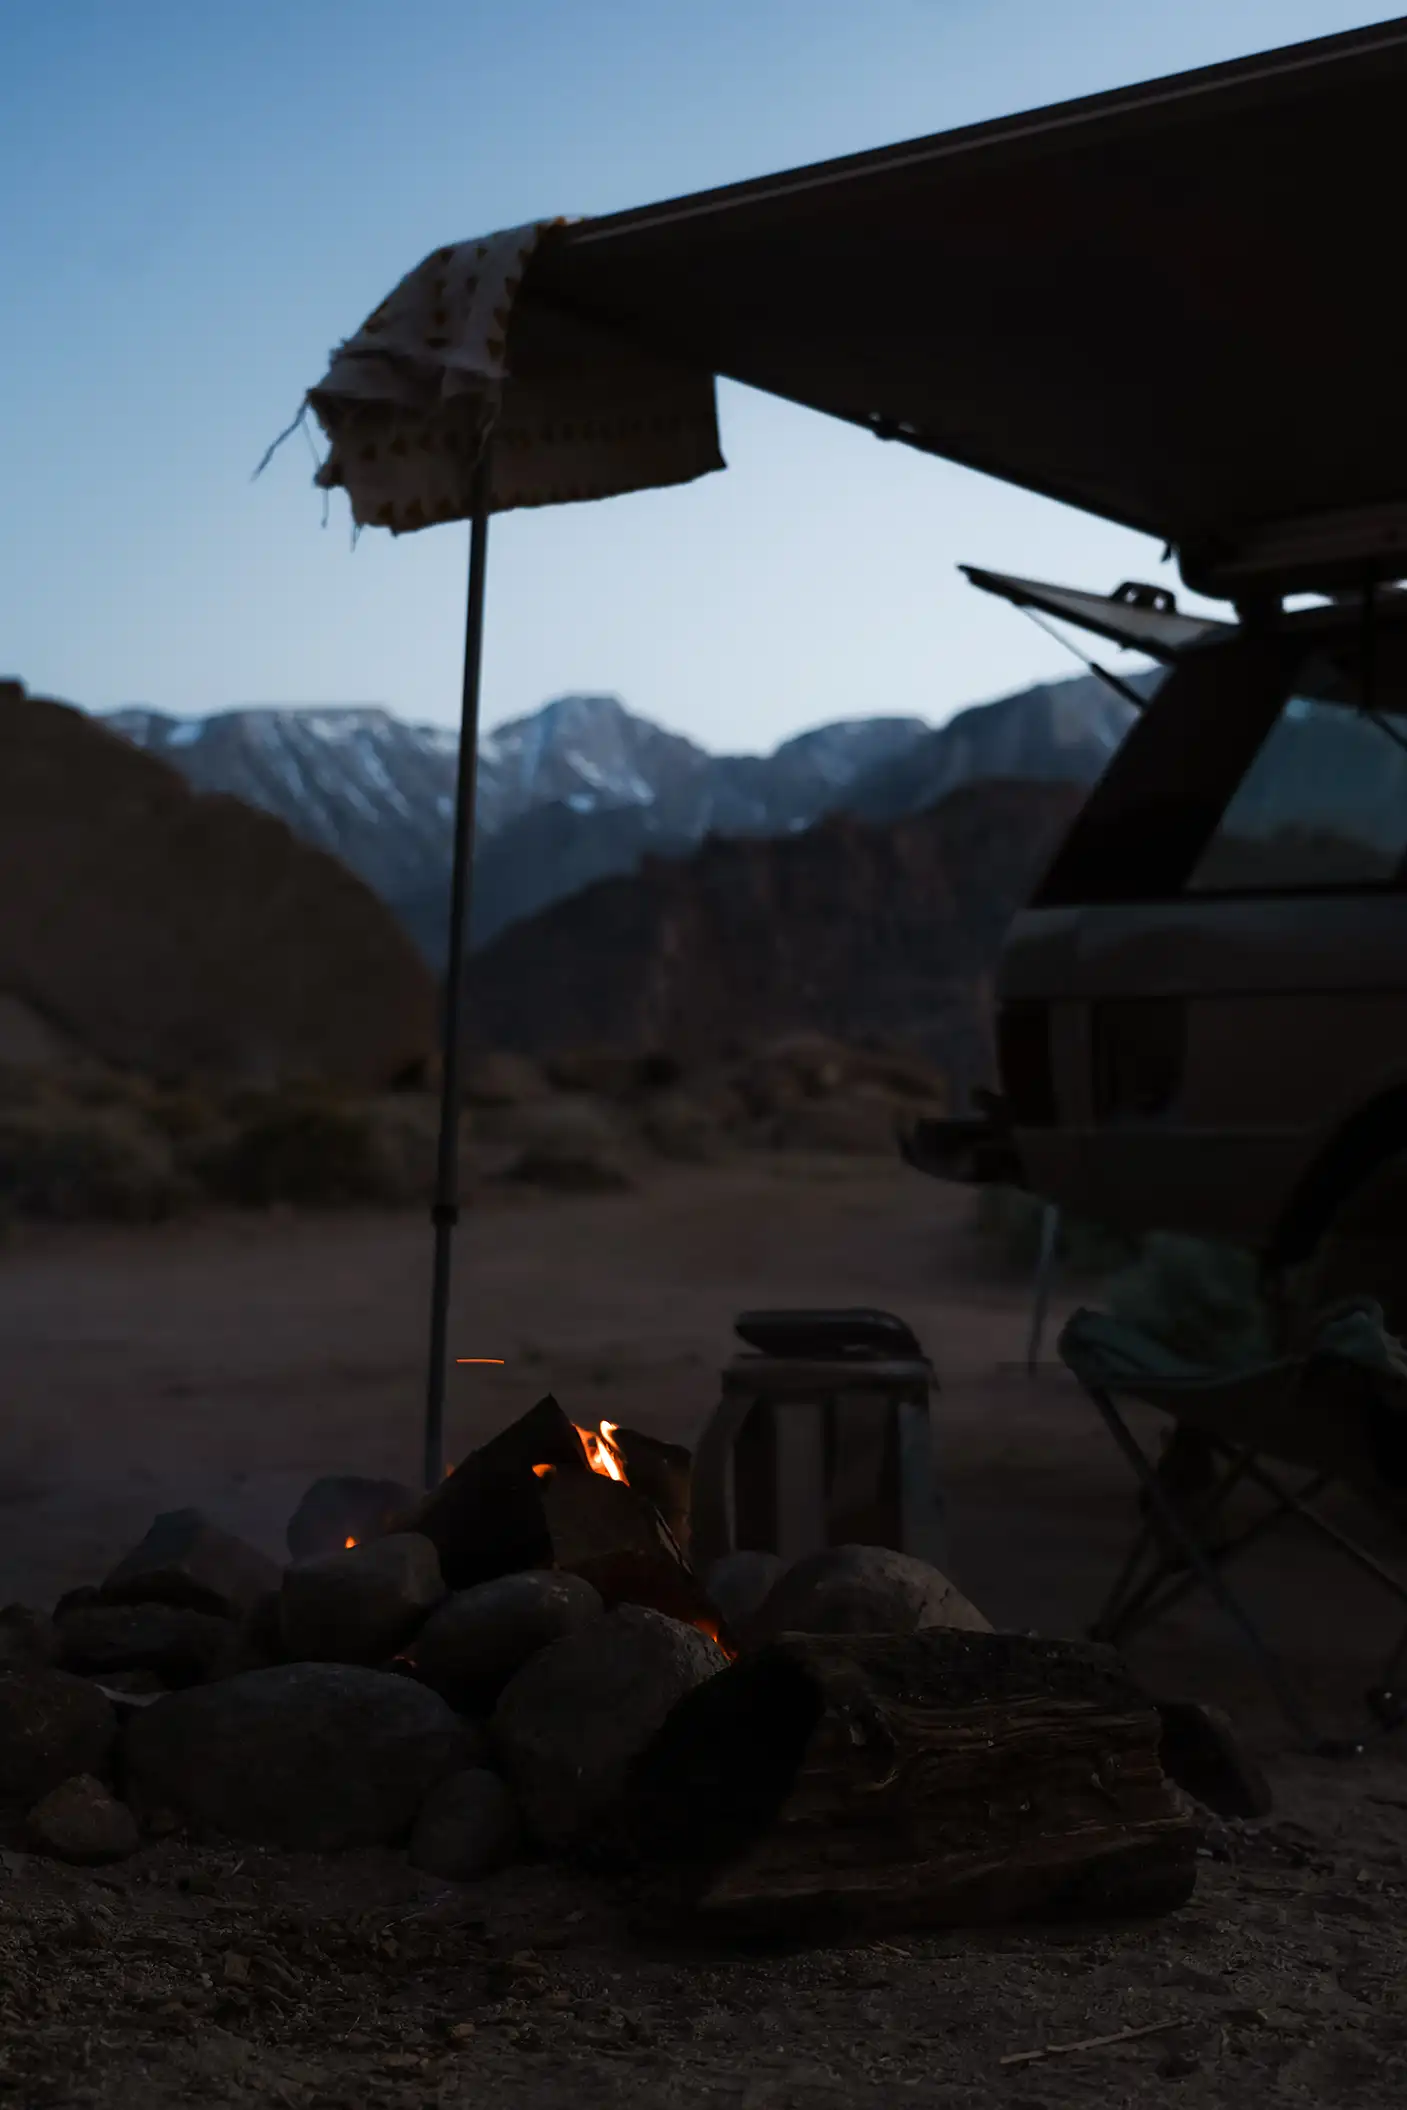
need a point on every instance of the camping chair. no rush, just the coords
(1337, 1414)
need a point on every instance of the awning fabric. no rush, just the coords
(1175, 306)
(577, 411)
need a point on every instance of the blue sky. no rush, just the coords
(202, 196)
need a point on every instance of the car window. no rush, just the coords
(1324, 802)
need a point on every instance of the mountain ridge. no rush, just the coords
(583, 788)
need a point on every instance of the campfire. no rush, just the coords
(608, 1504)
(525, 1655)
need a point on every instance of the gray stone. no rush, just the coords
(862, 1590)
(186, 1560)
(478, 1639)
(739, 1584)
(177, 1645)
(468, 1827)
(79, 1821)
(315, 1756)
(569, 1726)
(52, 1726)
(26, 1638)
(361, 1604)
(343, 1505)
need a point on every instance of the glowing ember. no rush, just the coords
(347, 1545)
(603, 1453)
(544, 1472)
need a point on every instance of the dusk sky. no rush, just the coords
(203, 196)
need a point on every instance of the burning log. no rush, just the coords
(603, 1531)
(485, 1519)
(663, 1474)
(545, 1493)
(830, 1784)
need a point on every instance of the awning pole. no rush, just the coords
(445, 1213)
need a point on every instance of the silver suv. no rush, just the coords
(1202, 1018)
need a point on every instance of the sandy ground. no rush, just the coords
(228, 1362)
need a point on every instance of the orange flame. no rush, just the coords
(603, 1453)
(347, 1545)
(544, 1472)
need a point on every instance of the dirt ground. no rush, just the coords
(227, 1362)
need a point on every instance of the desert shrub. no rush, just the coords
(680, 1127)
(1009, 1219)
(311, 1153)
(1200, 1299)
(575, 1144)
(71, 1163)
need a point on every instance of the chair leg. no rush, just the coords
(1291, 1705)
(1282, 1505)
(1169, 1580)
(1387, 1701)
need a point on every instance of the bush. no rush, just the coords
(311, 1154)
(71, 1164)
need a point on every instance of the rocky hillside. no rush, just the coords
(150, 926)
(584, 789)
(846, 929)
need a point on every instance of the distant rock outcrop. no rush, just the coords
(175, 933)
(844, 929)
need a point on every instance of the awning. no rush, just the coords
(1174, 306)
(1140, 618)
(577, 410)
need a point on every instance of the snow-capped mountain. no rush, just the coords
(583, 788)
(379, 792)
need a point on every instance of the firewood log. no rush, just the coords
(828, 1784)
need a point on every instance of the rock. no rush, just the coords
(179, 1646)
(313, 1756)
(572, 1146)
(186, 1560)
(342, 1506)
(862, 1590)
(474, 1642)
(129, 1690)
(468, 1827)
(570, 1172)
(681, 1127)
(52, 1726)
(75, 1600)
(571, 1723)
(79, 1821)
(739, 1583)
(1200, 1750)
(259, 1636)
(26, 1638)
(358, 1606)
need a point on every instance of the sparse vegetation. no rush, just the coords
(65, 1164)
(310, 1153)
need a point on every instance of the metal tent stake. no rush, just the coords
(445, 1213)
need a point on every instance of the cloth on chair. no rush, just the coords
(1286, 1407)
